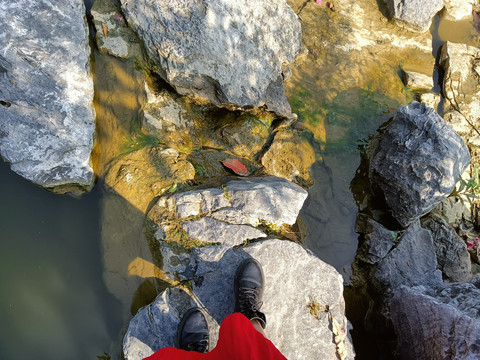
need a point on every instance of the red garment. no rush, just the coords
(237, 340)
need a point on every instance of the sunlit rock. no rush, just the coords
(462, 92)
(112, 32)
(46, 92)
(418, 81)
(457, 9)
(415, 15)
(302, 300)
(228, 53)
(417, 162)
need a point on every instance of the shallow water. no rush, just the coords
(54, 303)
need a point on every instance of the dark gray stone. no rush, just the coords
(46, 92)
(417, 162)
(436, 324)
(452, 254)
(378, 242)
(226, 52)
(294, 277)
(412, 262)
(415, 15)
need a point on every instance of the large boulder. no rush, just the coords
(415, 15)
(417, 162)
(46, 93)
(303, 302)
(437, 323)
(223, 52)
(240, 211)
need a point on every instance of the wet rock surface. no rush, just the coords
(297, 333)
(417, 162)
(48, 121)
(415, 15)
(226, 53)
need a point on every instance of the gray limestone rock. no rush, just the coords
(415, 15)
(46, 93)
(452, 254)
(210, 230)
(417, 162)
(229, 53)
(412, 262)
(294, 278)
(378, 241)
(271, 199)
(112, 32)
(439, 323)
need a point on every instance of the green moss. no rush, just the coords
(315, 308)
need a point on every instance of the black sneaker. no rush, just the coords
(249, 290)
(193, 334)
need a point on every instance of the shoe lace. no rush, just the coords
(200, 346)
(248, 301)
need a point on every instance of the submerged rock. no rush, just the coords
(46, 93)
(415, 15)
(229, 53)
(290, 156)
(303, 302)
(141, 175)
(417, 162)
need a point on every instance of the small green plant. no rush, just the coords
(270, 228)
(226, 194)
(469, 188)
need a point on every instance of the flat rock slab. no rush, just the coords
(417, 163)
(294, 278)
(46, 92)
(226, 52)
(415, 15)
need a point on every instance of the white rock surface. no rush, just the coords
(226, 52)
(46, 92)
(294, 277)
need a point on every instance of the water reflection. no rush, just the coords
(54, 304)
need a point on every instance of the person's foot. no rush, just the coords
(193, 334)
(249, 290)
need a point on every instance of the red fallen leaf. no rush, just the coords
(236, 166)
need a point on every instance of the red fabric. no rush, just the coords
(237, 340)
